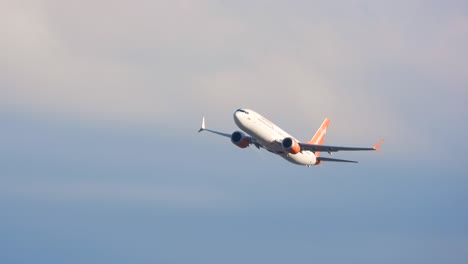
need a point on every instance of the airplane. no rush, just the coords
(262, 133)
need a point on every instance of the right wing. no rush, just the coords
(329, 149)
(336, 160)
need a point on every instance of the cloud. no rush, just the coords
(115, 192)
(365, 64)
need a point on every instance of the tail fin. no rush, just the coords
(320, 135)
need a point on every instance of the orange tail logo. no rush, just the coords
(320, 135)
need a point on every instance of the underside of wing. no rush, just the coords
(325, 148)
(335, 160)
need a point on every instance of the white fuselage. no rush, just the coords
(270, 136)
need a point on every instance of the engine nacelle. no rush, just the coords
(291, 145)
(240, 139)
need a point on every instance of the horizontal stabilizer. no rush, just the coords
(335, 160)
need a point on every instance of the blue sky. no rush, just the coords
(100, 103)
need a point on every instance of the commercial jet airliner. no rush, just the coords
(262, 133)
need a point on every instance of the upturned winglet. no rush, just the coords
(377, 146)
(202, 125)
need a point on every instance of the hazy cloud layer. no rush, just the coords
(100, 102)
(377, 68)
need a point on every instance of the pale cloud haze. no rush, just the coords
(100, 102)
(156, 62)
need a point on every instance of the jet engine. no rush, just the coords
(291, 145)
(240, 139)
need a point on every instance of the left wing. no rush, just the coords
(203, 128)
(329, 149)
(250, 139)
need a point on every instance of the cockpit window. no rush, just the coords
(242, 110)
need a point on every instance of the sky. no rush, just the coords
(100, 102)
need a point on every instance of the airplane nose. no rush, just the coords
(239, 118)
(236, 116)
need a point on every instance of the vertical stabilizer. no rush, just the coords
(320, 135)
